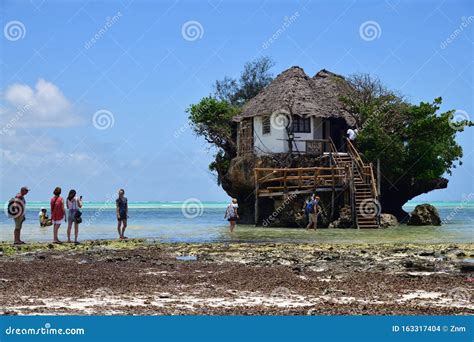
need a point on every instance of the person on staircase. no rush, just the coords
(352, 134)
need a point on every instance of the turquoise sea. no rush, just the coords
(195, 221)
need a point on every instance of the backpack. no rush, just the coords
(310, 207)
(230, 212)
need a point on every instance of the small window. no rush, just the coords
(266, 125)
(301, 125)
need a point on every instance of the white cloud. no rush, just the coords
(43, 106)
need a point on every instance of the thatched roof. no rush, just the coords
(295, 91)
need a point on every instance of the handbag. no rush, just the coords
(77, 217)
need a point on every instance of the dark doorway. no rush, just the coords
(337, 132)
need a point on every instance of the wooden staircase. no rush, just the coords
(345, 172)
(365, 204)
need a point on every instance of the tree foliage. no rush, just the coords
(211, 118)
(255, 76)
(413, 142)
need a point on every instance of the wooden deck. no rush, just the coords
(346, 172)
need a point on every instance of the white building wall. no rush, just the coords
(268, 143)
(276, 141)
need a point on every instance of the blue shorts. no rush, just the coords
(122, 216)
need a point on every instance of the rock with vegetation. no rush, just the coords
(388, 220)
(424, 215)
(415, 143)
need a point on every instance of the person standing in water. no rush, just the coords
(17, 210)
(73, 205)
(121, 205)
(57, 213)
(232, 214)
(312, 209)
(306, 208)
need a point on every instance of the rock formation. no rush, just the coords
(424, 215)
(388, 220)
(344, 220)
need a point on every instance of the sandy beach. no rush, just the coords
(138, 277)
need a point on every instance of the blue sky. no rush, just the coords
(144, 69)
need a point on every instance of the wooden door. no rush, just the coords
(246, 136)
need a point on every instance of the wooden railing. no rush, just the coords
(372, 182)
(366, 171)
(334, 153)
(357, 159)
(301, 180)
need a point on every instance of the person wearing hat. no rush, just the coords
(231, 214)
(18, 210)
(44, 220)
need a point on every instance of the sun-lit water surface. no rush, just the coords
(166, 221)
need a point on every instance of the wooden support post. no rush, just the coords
(353, 208)
(333, 187)
(256, 197)
(378, 177)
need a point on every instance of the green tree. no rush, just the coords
(416, 145)
(255, 76)
(211, 117)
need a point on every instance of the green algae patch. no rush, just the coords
(452, 251)
(8, 249)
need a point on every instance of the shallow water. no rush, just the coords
(171, 222)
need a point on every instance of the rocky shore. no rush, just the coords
(148, 278)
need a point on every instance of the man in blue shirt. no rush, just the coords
(312, 209)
